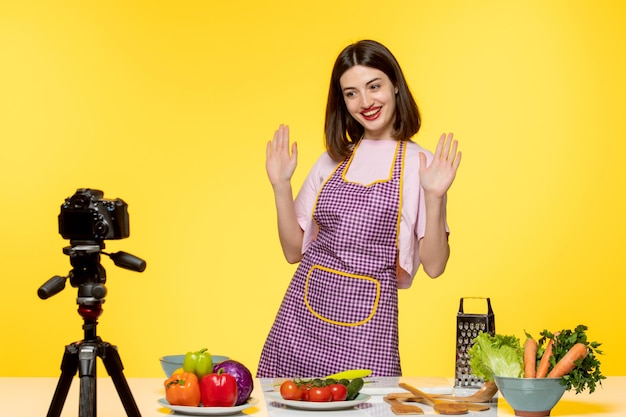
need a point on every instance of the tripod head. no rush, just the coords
(88, 274)
(87, 220)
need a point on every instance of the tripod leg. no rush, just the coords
(87, 354)
(113, 365)
(87, 404)
(69, 366)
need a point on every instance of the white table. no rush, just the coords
(30, 397)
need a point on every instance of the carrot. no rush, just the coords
(568, 362)
(530, 358)
(544, 363)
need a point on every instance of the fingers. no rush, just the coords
(280, 141)
(422, 157)
(444, 144)
(447, 150)
(294, 150)
(457, 161)
(440, 146)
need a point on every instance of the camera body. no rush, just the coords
(87, 216)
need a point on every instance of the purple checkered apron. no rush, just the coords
(340, 310)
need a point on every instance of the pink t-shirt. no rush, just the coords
(373, 161)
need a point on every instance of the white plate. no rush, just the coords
(208, 411)
(375, 386)
(311, 405)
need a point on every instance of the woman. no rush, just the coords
(371, 210)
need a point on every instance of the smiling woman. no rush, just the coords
(165, 104)
(361, 225)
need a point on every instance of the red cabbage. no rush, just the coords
(245, 383)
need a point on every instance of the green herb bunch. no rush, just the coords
(587, 373)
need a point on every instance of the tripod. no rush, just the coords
(89, 276)
(81, 357)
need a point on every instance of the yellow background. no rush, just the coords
(168, 105)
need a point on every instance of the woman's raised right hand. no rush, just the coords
(280, 158)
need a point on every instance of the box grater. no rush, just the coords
(468, 326)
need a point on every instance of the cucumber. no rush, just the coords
(353, 388)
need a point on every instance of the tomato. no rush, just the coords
(320, 394)
(304, 393)
(289, 390)
(339, 392)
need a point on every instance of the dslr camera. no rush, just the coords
(87, 216)
(87, 219)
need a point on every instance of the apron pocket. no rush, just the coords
(341, 298)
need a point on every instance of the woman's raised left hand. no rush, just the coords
(437, 177)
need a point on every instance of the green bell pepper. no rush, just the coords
(200, 363)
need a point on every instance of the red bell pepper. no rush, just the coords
(218, 390)
(183, 389)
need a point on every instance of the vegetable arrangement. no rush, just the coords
(201, 383)
(321, 390)
(566, 354)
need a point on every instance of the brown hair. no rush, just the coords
(341, 129)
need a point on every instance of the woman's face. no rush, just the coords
(370, 97)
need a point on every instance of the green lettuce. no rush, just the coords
(500, 355)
